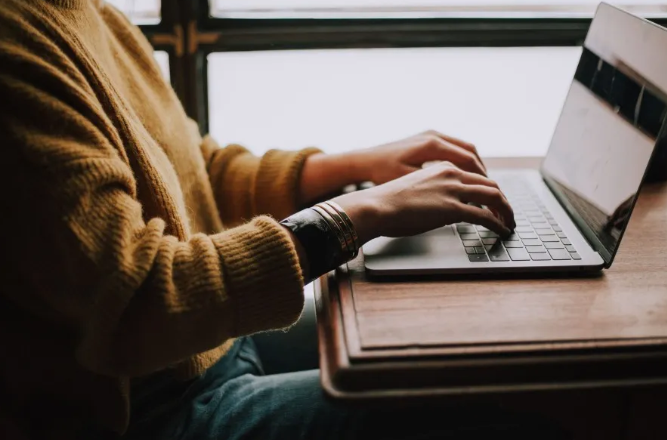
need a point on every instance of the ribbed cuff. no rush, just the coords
(277, 184)
(262, 270)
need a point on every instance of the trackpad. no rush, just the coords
(432, 249)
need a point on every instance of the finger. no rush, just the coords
(483, 217)
(461, 143)
(490, 197)
(476, 179)
(460, 157)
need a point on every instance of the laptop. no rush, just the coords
(572, 213)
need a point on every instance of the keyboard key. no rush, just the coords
(536, 219)
(512, 244)
(553, 245)
(478, 258)
(479, 250)
(499, 255)
(536, 249)
(531, 212)
(570, 248)
(559, 254)
(557, 228)
(532, 242)
(536, 257)
(489, 240)
(566, 241)
(468, 243)
(553, 222)
(482, 229)
(544, 231)
(523, 235)
(518, 254)
(524, 229)
(465, 229)
(470, 250)
(469, 236)
(488, 234)
(575, 256)
(512, 237)
(522, 223)
(488, 247)
(561, 234)
(540, 225)
(549, 238)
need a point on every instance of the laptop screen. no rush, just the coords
(612, 118)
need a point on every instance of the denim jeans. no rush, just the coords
(251, 394)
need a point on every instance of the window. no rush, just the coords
(505, 100)
(162, 59)
(139, 11)
(425, 8)
(345, 74)
(498, 78)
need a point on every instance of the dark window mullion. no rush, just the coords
(271, 34)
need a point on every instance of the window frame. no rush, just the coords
(189, 66)
(163, 36)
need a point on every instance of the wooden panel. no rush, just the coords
(627, 302)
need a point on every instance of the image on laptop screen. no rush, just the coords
(612, 118)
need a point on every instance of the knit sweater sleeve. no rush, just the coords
(245, 185)
(83, 254)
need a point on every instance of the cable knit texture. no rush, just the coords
(115, 261)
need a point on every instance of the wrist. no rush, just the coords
(323, 174)
(364, 213)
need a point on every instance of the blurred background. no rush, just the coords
(346, 74)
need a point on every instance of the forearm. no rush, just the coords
(325, 174)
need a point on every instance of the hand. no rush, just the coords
(427, 199)
(324, 173)
(390, 161)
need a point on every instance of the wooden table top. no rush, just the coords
(624, 306)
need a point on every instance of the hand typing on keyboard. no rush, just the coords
(427, 199)
(536, 237)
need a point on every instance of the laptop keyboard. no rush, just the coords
(537, 236)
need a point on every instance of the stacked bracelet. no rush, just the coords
(334, 214)
(327, 235)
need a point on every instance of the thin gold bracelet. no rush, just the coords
(334, 226)
(348, 221)
(351, 245)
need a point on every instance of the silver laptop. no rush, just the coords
(571, 214)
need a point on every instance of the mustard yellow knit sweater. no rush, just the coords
(115, 262)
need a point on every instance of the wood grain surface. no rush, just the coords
(622, 305)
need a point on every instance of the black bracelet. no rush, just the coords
(319, 241)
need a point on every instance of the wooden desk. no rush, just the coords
(455, 337)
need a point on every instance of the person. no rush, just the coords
(138, 257)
